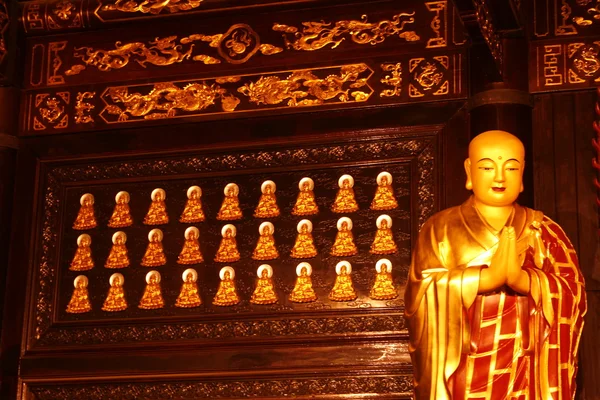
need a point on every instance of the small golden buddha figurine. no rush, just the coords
(157, 213)
(152, 297)
(155, 255)
(190, 253)
(227, 293)
(344, 240)
(265, 247)
(383, 288)
(264, 292)
(305, 202)
(384, 195)
(82, 260)
(343, 290)
(230, 208)
(80, 301)
(384, 239)
(344, 200)
(304, 247)
(121, 216)
(228, 251)
(192, 211)
(118, 258)
(267, 204)
(189, 296)
(86, 219)
(115, 300)
(303, 291)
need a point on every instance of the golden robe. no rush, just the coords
(497, 345)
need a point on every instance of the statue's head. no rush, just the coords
(384, 180)
(303, 271)
(343, 270)
(383, 268)
(158, 196)
(264, 273)
(268, 189)
(266, 230)
(119, 239)
(346, 184)
(345, 226)
(155, 237)
(194, 194)
(304, 228)
(495, 168)
(231, 192)
(189, 277)
(153, 278)
(306, 186)
(227, 276)
(117, 281)
(384, 223)
(228, 233)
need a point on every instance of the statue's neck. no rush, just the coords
(495, 216)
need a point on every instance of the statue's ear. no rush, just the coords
(522, 169)
(469, 184)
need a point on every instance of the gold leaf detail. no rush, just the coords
(151, 6)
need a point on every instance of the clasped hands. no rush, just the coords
(505, 267)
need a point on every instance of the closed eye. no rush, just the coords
(486, 168)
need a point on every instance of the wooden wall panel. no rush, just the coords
(563, 174)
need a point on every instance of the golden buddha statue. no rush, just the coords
(192, 211)
(384, 195)
(303, 291)
(190, 253)
(344, 240)
(121, 216)
(304, 247)
(189, 296)
(228, 251)
(230, 208)
(154, 255)
(344, 200)
(227, 293)
(343, 289)
(152, 297)
(80, 301)
(502, 260)
(384, 239)
(118, 258)
(157, 213)
(86, 219)
(265, 247)
(305, 202)
(115, 300)
(383, 288)
(82, 260)
(264, 292)
(267, 204)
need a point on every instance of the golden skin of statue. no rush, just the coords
(154, 255)
(265, 247)
(264, 292)
(227, 293)
(343, 289)
(117, 258)
(486, 257)
(86, 219)
(188, 296)
(192, 212)
(267, 204)
(152, 297)
(383, 288)
(344, 242)
(228, 251)
(304, 247)
(305, 202)
(115, 300)
(230, 208)
(82, 260)
(303, 291)
(190, 253)
(157, 213)
(384, 196)
(80, 301)
(384, 240)
(345, 202)
(121, 216)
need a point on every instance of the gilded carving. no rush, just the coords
(356, 322)
(348, 83)
(83, 108)
(428, 76)
(149, 6)
(565, 28)
(55, 62)
(304, 88)
(236, 46)
(33, 17)
(317, 35)
(51, 110)
(394, 80)
(593, 12)
(438, 23)
(552, 67)
(63, 10)
(64, 14)
(585, 63)
(398, 385)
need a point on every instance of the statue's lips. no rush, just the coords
(498, 189)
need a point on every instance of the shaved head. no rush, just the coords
(493, 139)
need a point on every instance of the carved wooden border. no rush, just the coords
(391, 386)
(43, 333)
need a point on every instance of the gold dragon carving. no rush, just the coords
(317, 35)
(304, 88)
(150, 6)
(299, 88)
(593, 11)
(235, 46)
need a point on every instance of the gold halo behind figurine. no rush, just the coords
(114, 276)
(385, 217)
(340, 223)
(191, 229)
(304, 265)
(194, 189)
(264, 267)
(87, 197)
(226, 227)
(190, 271)
(338, 267)
(156, 192)
(117, 235)
(381, 262)
(309, 225)
(265, 184)
(227, 269)
(309, 181)
(233, 187)
(122, 195)
(80, 279)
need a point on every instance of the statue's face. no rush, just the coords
(384, 180)
(189, 277)
(117, 281)
(303, 271)
(192, 235)
(495, 168)
(266, 230)
(344, 226)
(158, 196)
(383, 224)
(305, 186)
(228, 232)
(194, 194)
(119, 239)
(383, 268)
(304, 228)
(121, 200)
(268, 189)
(155, 238)
(226, 275)
(231, 192)
(265, 273)
(153, 279)
(87, 201)
(345, 183)
(343, 270)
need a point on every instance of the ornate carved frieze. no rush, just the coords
(187, 49)
(402, 80)
(564, 18)
(565, 65)
(398, 386)
(47, 327)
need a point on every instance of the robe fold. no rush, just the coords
(502, 344)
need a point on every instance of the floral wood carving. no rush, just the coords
(317, 35)
(45, 334)
(399, 386)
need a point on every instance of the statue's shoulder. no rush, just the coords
(440, 219)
